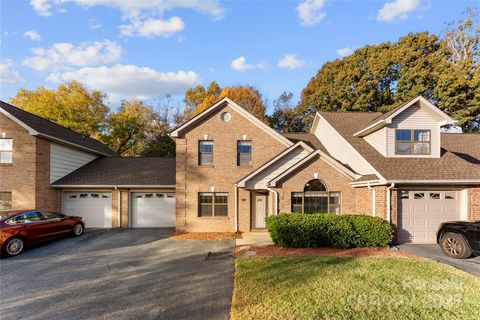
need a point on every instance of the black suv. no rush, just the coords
(459, 239)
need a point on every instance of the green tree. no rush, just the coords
(70, 105)
(379, 77)
(132, 127)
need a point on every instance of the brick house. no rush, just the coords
(232, 171)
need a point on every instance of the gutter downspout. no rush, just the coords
(275, 193)
(389, 209)
(374, 200)
(236, 208)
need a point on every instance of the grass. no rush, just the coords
(324, 287)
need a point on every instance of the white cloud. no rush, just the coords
(131, 81)
(240, 64)
(291, 61)
(397, 9)
(64, 55)
(153, 27)
(343, 52)
(41, 7)
(8, 75)
(135, 8)
(311, 12)
(94, 24)
(32, 35)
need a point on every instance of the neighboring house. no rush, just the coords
(46, 166)
(232, 171)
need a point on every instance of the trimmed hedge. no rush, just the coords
(327, 229)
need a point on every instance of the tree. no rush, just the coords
(443, 69)
(284, 118)
(132, 127)
(249, 98)
(70, 105)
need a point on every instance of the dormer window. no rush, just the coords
(412, 142)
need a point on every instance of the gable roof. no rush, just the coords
(451, 166)
(122, 172)
(308, 138)
(260, 169)
(318, 153)
(41, 127)
(226, 101)
(386, 118)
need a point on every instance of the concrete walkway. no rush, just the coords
(254, 239)
(433, 252)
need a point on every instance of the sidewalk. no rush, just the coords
(254, 239)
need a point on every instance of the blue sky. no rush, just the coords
(150, 48)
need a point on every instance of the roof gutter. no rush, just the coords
(71, 144)
(460, 181)
(371, 127)
(115, 186)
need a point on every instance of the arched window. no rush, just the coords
(315, 198)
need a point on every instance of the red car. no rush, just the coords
(21, 228)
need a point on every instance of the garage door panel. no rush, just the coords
(153, 209)
(95, 207)
(421, 213)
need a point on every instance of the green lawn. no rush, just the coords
(324, 287)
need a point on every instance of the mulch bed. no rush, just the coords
(206, 236)
(274, 251)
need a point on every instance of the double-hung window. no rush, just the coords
(5, 200)
(213, 204)
(412, 142)
(205, 153)
(6, 150)
(244, 153)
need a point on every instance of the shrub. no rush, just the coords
(327, 229)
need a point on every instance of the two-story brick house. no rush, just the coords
(232, 171)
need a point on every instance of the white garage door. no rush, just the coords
(95, 207)
(421, 213)
(153, 209)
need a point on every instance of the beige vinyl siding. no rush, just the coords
(260, 180)
(378, 140)
(64, 160)
(415, 117)
(340, 149)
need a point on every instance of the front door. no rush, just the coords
(259, 210)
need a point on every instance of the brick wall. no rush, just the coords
(192, 179)
(474, 203)
(20, 176)
(334, 180)
(46, 198)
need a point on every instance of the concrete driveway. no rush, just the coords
(118, 274)
(433, 252)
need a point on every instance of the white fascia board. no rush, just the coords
(112, 186)
(23, 125)
(324, 157)
(371, 128)
(246, 114)
(460, 181)
(352, 148)
(33, 132)
(241, 183)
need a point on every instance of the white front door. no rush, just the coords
(260, 210)
(95, 207)
(421, 213)
(153, 209)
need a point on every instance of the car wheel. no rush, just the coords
(77, 229)
(455, 246)
(14, 246)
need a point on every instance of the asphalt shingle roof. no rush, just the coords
(106, 171)
(53, 131)
(309, 138)
(459, 160)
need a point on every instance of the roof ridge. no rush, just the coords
(344, 112)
